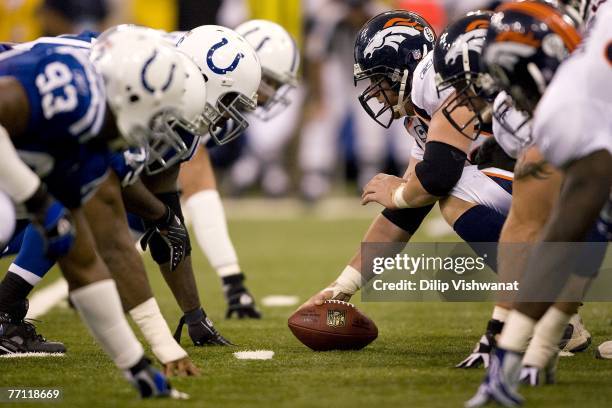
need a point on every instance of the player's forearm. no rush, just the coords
(584, 193)
(381, 230)
(140, 201)
(16, 179)
(414, 195)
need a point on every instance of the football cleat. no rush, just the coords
(481, 354)
(18, 335)
(202, 333)
(151, 383)
(239, 301)
(501, 382)
(576, 337)
(534, 376)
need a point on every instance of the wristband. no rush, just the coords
(348, 282)
(398, 197)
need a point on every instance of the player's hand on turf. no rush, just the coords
(481, 355)
(168, 239)
(381, 189)
(183, 367)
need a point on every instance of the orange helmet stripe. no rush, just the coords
(399, 21)
(548, 15)
(477, 24)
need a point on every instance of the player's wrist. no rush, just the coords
(149, 319)
(398, 197)
(349, 282)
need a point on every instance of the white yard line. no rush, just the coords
(279, 300)
(254, 355)
(46, 298)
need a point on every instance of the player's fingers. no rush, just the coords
(186, 368)
(168, 369)
(368, 198)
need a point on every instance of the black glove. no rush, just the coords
(202, 333)
(168, 239)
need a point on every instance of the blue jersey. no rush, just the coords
(67, 108)
(83, 41)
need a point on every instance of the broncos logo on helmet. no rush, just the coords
(395, 32)
(474, 38)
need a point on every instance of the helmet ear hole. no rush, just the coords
(134, 98)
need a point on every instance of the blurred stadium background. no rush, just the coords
(324, 144)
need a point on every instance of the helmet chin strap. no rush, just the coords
(400, 108)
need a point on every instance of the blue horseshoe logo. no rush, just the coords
(143, 74)
(219, 70)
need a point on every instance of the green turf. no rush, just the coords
(409, 365)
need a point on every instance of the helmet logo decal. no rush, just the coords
(506, 54)
(513, 36)
(474, 40)
(143, 75)
(390, 37)
(219, 70)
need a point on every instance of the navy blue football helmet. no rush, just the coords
(387, 50)
(526, 43)
(457, 63)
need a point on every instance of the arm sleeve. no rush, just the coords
(16, 179)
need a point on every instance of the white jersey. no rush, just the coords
(427, 101)
(574, 117)
(506, 119)
(491, 188)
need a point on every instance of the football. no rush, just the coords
(334, 325)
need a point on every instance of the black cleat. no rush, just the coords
(239, 301)
(202, 333)
(21, 338)
(18, 335)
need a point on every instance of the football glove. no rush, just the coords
(202, 333)
(167, 238)
(53, 221)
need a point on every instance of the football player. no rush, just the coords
(279, 58)
(536, 184)
(54, 108)
(106, 215)
(520, 58)
(403, 80)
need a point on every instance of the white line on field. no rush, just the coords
(29, 355)
(279, 300)
(254, 355)
(45, 299)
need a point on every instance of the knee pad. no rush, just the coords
(173, 201)
(408, 219)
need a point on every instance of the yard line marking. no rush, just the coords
(279, 301)
(254, 355)
(45, 299)
(29, 355)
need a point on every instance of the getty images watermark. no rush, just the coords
(468, 272)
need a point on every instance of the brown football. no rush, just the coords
(334, 325)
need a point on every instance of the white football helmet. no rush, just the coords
(145, 83)
(180, 135)
(280, 61)
(232, 73)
